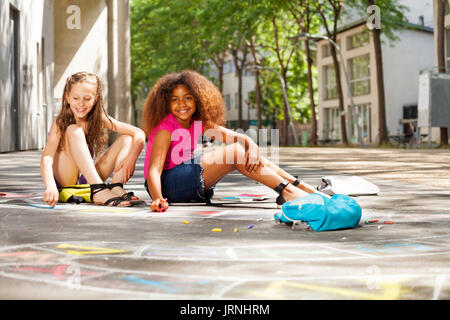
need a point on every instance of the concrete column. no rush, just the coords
(119, 67)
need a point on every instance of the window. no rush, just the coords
(228, 67)
(364, 116)
(228, 101)
(332, 126)
(357, 40)
(326, 49)
(329, 79)
(360, 75)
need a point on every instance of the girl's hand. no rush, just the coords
(252, 157)
(159, 204)
(128, 165)
(51, 196)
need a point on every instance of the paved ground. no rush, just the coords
(92, 252)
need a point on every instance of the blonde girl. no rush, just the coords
(74, 150)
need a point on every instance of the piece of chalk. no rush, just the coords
(216, 230)
(185, 222)
(250, 226)
(372, 221)
(379, 227)
(366, 222)
(388, 222)
(235, 230)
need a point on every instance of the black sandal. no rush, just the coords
(95, 188)
(278, 189)
(127, 196)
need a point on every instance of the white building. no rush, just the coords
(402, 63)
(44, 41)
(230, 94)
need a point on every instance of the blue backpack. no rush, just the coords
(322, 213)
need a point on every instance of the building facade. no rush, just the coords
(403, 61)
(230, 94)
(45, 41)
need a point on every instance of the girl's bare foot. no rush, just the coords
(118, 190)
(103, 195)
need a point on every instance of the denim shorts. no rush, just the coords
(184, 183)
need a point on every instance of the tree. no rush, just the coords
(301, 11)
(330, 13)
(440, 30)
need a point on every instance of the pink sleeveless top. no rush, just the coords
(184, 142)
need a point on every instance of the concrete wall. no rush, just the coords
(34, 74)
(402, 65)
(80, 45)
(98, 43)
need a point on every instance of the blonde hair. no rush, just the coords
(96, 136)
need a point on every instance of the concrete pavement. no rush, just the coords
(92, 252)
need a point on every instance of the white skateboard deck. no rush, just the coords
(348, 185)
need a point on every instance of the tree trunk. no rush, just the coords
(337, 73)
(219, 62)
(441, 56)
(382, 128)
(257, 84)
(258, 99)
(286, 115)
(239, 71)
(311, 94)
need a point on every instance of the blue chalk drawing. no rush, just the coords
(393, 247)
(158, 284)
(164, 285)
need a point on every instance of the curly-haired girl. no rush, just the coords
(178, 110)
(78, 135)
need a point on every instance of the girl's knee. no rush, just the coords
(125, 140)
(237, 151)
(74, 130)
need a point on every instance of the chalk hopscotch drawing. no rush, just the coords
(104, 267)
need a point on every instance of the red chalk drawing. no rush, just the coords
(207, 212)
(58, 271)
(17, 253)
(14, 195)
(251, 195)
(38, 257)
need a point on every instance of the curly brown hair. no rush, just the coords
(208, 99)
(96, 137)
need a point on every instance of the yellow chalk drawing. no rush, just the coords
(88, 250)
(108, 210)
(389, 290)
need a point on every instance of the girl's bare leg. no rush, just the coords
(218, 163)
(77, 158)
(109, 161)
(287, 176)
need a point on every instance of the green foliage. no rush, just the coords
(171, 35)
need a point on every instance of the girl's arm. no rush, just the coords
(51, 193)
(227, 136)
(129, 163)
(160, 146)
